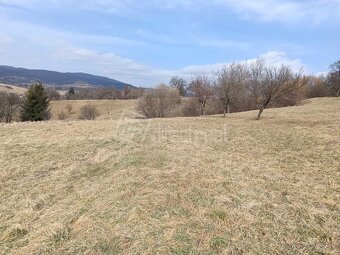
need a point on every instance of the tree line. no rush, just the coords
(239, 87)
(127, 92)
(34, 106)
(234, 88)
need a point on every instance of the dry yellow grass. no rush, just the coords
(13, 89)
(107, 109)
(204, 185)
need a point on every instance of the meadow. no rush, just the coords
(12, 89)
(200, 185)
(107, 109)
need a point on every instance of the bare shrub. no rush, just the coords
(159, 102)
(61, 116)
(9, 106)
(135, 93)
(52, 93)
(69, 108)
(88, 112)
(129, 92)
(214, 107)
(191, 108)
(316, 87)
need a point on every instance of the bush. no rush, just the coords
(61, 116)
(316, 87)
(88, 112)
(214, 107)
(52, 94)
(159, 102)
(69, 108)
(9, 106)
(191, 108)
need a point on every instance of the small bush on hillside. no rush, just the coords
(159, 102)
(9, 106)
(191, 108)
(88, 112)
(214, 107)
(61, 116)
(52, 94)
(69, 108)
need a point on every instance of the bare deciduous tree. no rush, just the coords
(276, 83)
(254, 82)
(202, 89)
(125, 92)
(158, 102)
(230, 85)
(180, 84)
(333, 79)
(9, 106)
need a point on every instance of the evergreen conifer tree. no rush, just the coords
(36, 104)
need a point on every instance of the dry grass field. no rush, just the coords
(13, 89)
(205, 185)
(107, 109)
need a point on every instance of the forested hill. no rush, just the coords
(22, 76)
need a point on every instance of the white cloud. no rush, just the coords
(65, 57)
(112, 65)
(271, 58)
(278, 58)
(22, 45)
(285, 11)
(33, 46)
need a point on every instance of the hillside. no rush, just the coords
(205, 185)
(13, 89)
(22, 76)
(107, 109)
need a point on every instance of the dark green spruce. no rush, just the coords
(36, 104)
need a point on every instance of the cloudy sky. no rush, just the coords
(146, 42)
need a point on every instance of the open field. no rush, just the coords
(206, 185)
(13, 89)
(107, 109)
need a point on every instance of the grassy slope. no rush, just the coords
(13, 89)
(142, 187)
(107, 109)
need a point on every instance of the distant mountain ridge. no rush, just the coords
(23, 77)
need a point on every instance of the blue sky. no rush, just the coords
(146, 42)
